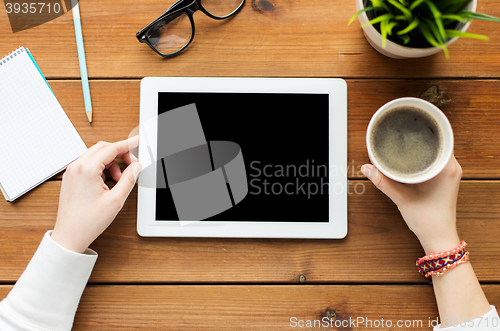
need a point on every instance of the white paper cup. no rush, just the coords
(447, 142)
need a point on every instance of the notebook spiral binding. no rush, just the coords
(11, 55)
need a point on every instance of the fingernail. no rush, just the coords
(365, 169)
(137, 167)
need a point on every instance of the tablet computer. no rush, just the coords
(243, 157)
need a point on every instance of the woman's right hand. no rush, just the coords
(428, 208)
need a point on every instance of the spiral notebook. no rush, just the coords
(37, 139)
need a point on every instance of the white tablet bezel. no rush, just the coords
(336, 228)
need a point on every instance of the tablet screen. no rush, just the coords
(284, 141)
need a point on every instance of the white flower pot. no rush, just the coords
(397, 51)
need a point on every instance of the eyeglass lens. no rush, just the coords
(171, 36)
(221, 8)
(175, 31)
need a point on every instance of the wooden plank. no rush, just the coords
(376, 233)
(470, 105)
(267, 38)
(115, 105)
(258, 307)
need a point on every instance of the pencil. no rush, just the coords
(81, 59)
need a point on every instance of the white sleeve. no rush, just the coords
(47, 294)
(488, 322)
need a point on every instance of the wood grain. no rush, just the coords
(289, 38)
(376, 233)
(268, 38)
(471, 106)
(251, 307)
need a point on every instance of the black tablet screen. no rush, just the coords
(284, 142)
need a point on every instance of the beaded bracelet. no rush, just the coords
(440, 263)
(433, 265)
(448, 267)
(430, 257)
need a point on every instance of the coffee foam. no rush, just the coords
(406, 141)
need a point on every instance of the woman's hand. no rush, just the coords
(86, 204)
(429, 208)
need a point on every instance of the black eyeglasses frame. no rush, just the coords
(174, 11)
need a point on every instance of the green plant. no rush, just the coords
(421, 22)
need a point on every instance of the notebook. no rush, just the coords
(37, 139)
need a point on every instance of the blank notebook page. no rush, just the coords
(37, 139)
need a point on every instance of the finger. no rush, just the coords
(389, 187)
(128, 158)
(93, 149)
(133, 142)
(126, 183)
(108, 153)
(453, 168)
(458, 169)
(114, 170)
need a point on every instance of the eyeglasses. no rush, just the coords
(173, 31)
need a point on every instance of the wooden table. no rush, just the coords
(170, 283)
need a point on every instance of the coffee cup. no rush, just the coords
(409, 140)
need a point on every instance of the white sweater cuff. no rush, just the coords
(488, 322)
(47, 294)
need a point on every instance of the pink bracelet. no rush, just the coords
(436, 256)
(432, 265)
(448, 267)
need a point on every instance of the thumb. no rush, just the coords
(388, 186)
(127, 181)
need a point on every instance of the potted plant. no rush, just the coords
(417, 28)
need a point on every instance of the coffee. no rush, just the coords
(406, 141)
